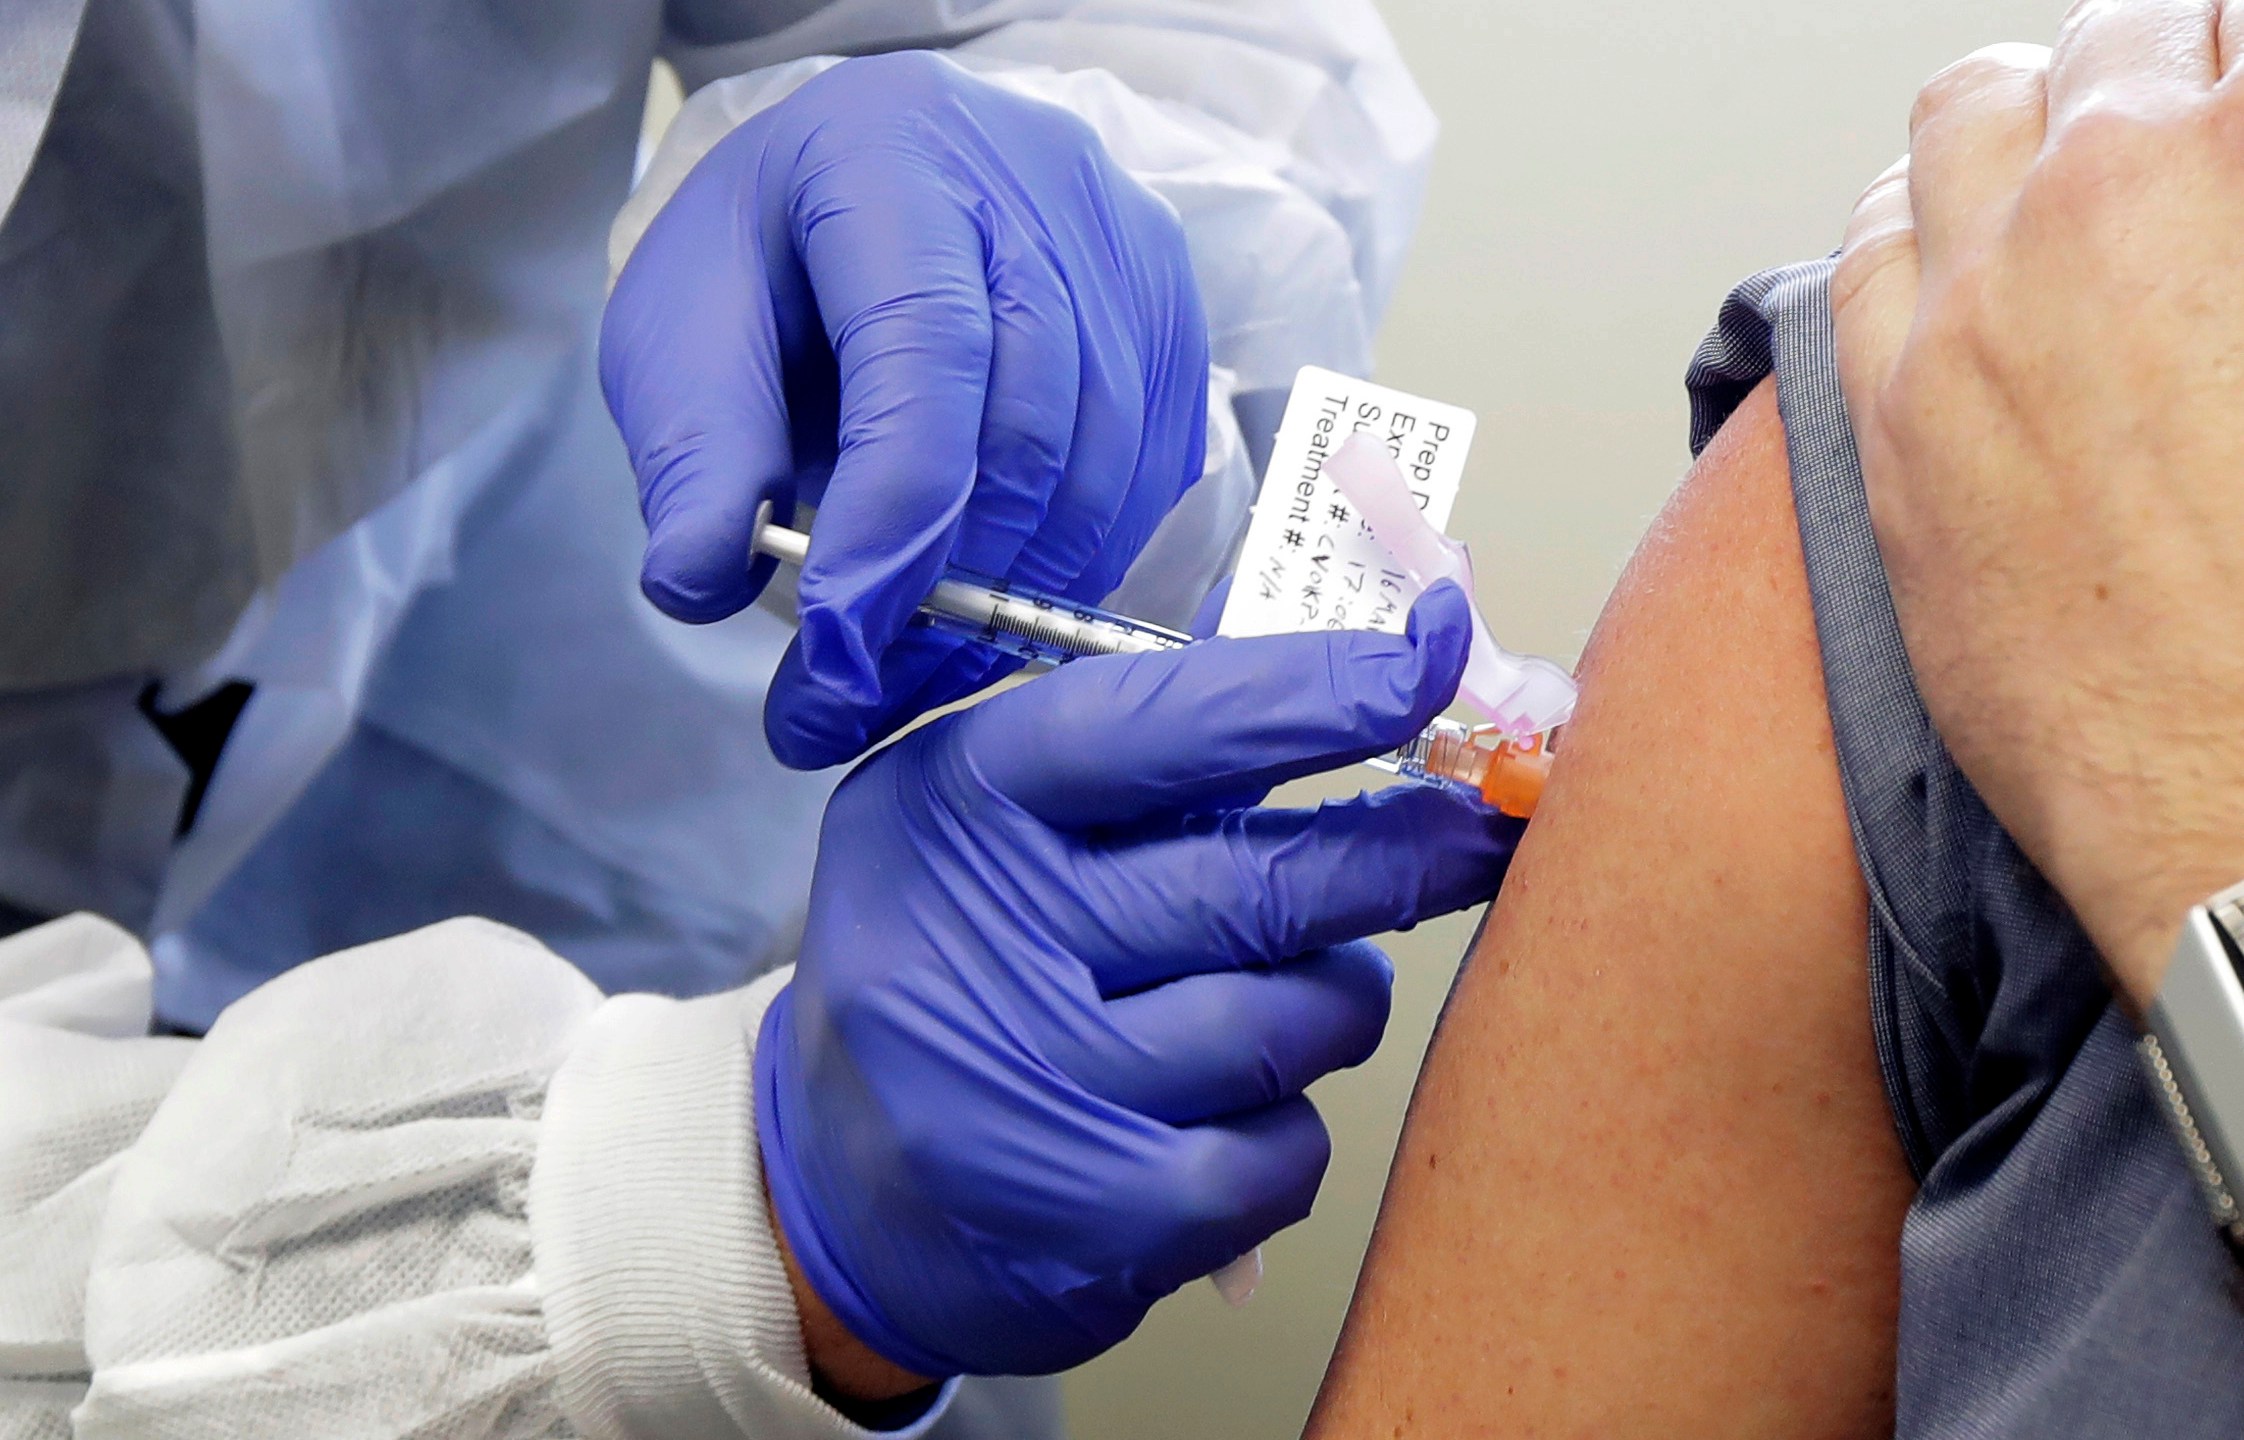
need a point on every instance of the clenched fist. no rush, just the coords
(2041, 325)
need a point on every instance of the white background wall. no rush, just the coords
(1608, 169)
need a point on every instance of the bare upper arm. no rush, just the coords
(1649, 1186)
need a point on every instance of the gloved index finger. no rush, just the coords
(1115, 741)
(898, 273)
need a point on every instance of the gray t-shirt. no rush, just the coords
(2059, 1275)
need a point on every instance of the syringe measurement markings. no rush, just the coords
(1074, 635)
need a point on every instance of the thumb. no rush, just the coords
(690, 364)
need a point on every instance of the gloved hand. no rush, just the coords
(1043, 1057)
(939, 312)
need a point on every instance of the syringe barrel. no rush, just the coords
(1038, 627)
(991, 612)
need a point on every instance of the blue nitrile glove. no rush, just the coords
(1042, 1061)
(942, 314)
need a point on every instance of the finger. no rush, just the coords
(2231, 38)
(923, 669)
(1874, 290)
(690, 366)
(1205, 622)
(1253, 889)
(1103, 453)
(897, 266)
(2132, 52)
(1029, 415)
(1113, 741)
(1172, 455)
(1230, 1185)
(1207, 1046)
(1165, 398)
(1976, 129)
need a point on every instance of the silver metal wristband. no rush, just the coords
(2193, 1050)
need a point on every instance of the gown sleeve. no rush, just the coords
(435, 1186)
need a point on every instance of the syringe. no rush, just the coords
(1505, 772)
(1033, 627)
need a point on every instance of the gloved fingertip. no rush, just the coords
(803, 741)
(1417, 680)
(1442, 616)
(1441, 627)
(1468, 823)
(1457, 849)
(808, 725)
(1373, 966)
(1369, 975)
(700, 577)
(695, 605)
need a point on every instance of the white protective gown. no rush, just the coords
(436, 1187)
(297, 313)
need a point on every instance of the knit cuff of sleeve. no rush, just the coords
(667, 1303)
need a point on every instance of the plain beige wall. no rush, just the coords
(1607, 171)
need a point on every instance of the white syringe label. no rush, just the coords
(1310, 563)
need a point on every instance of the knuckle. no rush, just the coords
(2081, 14)
(2102, 130)
(2129, 134)
(2119, 168)
(908, 75)
(1083, 136)
(940, 323)
(1891, 185)
(2090, 165)
(1996, 74)
(1155, 221)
